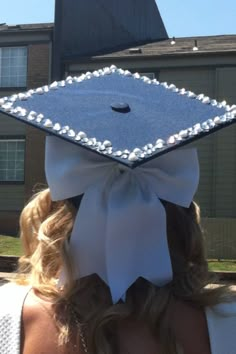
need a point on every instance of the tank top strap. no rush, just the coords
(12, 298)
(221, 321)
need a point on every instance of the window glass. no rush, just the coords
(12, 160)
(13, 67)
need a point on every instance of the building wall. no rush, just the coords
(39, 64)
(217, 190)
(14, 195)
(34, 162)
(39, 73)
(216, 194)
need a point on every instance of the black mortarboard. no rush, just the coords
(124, 116)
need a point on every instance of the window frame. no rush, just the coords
(10, 46)
(14, 138)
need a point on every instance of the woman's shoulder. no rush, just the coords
(38, 318)
(209, 330)
(189, 326)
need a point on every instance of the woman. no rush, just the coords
(82, 318)
(114, 259)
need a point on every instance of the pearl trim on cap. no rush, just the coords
(105, 147)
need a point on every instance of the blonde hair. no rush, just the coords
(45, 225)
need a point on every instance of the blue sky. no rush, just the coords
(181, 17)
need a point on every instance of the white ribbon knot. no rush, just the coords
(120, 229)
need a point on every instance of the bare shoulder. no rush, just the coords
(37, 323)
(190, 328)
(39, 330)
(36, 309)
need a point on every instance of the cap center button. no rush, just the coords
(120, 107)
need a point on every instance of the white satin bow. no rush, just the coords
(120, 229)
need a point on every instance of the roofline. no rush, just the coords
(141, 56)
(210, 36)
(27, 28)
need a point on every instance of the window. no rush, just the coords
(13, 67)
(12, 153)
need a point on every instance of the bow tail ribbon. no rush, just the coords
(88, 237)
(136, 243)
(119, 245)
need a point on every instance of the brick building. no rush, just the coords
(25, 62)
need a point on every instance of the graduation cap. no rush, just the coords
(126, 117)
(116, 138)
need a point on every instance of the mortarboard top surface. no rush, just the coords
(126, 117)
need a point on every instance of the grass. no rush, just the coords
(222, 266)
(10, 246)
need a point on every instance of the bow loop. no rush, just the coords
(70, 171)
(175, 176)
